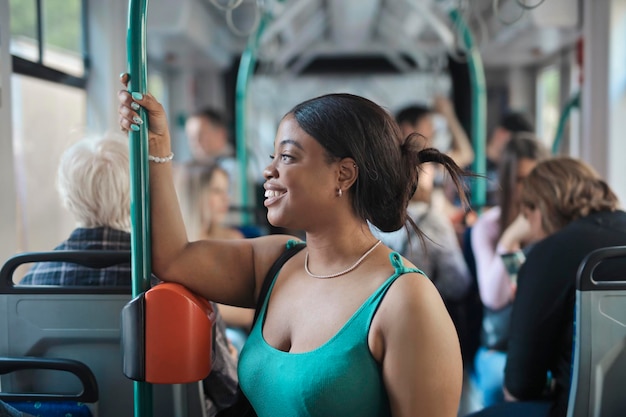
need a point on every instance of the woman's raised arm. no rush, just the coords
(222, 271)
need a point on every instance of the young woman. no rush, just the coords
(205, 191)
(348, 328)
(206, 198)
(498, 231)
(571, 212)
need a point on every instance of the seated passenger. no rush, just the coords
(93, 181)
(205, 198)
(571, 212)
(94, 184)
(498, 231)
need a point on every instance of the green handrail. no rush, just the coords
(139, 178)
(244, 73)
(478, 132)
(574, 102)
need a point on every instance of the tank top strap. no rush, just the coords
(398, 265)
(400, 269)
(293, 242)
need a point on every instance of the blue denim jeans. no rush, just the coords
(488, 376)
(515, 409)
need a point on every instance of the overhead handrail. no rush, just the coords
(139, 177)
(478, 131)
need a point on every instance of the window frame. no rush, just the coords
(38, 69)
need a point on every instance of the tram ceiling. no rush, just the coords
(317, 35)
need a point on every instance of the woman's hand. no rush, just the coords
(444, 106)
(515, 235)
(130, 118)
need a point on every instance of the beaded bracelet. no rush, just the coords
(161, 160)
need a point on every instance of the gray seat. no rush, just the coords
(599, 369)
(79, 323)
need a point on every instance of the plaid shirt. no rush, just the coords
(220, 386)
(65, 273)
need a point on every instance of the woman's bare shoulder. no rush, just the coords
(411, 297)
(266, 249)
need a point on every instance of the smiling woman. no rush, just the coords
(375, 338)
(395, 53)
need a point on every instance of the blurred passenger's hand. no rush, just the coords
(515, 235)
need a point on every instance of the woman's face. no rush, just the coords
(216, 198)
(300, 185)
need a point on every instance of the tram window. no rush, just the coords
(548, 104)
(24, 29)
(48, 38)
(42, 129)
(156, 84)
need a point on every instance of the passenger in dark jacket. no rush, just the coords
(571, 212)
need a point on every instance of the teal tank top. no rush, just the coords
(339, 378)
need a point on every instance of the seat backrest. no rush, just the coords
(80, 323)
(78, 404)
(599, 364)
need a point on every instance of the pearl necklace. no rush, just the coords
(345, 271)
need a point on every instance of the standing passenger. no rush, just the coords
(420, 119)
(207, 136)
(510, 124)
(205, 198)
(498, 231)
(348, 328)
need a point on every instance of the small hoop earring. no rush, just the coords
(339, 192)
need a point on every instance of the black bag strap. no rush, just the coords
(284, 257)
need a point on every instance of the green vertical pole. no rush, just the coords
(139, 178)
(478, 132)
(573, 102)
(245, 71)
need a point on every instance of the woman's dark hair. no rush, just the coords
(521, 146)
(412, 114)
(517, 122)
(349, 126)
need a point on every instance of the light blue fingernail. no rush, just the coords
(134, 127)
(135, 106)
(138, 120)
(137, 96)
